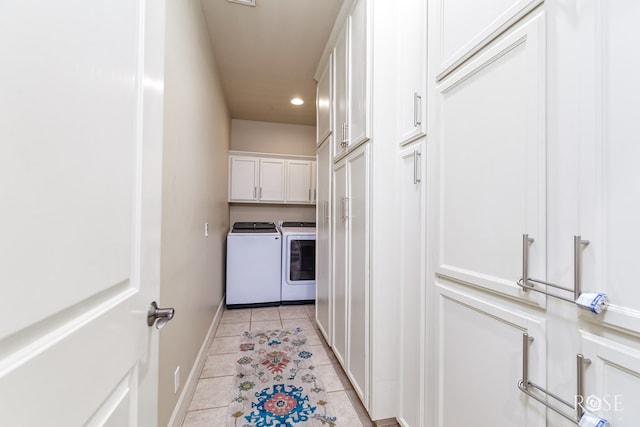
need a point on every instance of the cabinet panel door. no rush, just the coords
(411, 285)
(299, 181)
(324, 102)
(359, 75)
(339, 261)
(358, 269)
(324, 294)
(340, 60)
(272, 180)
(411, 69)
(612, 380)
(480, 363)
(608, 160)
(492, 181)
(243, 185)
(467, 26)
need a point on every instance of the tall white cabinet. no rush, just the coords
(362, 331)
(530, 122)
(506, 149)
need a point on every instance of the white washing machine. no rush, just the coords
(253, 265)
(298, 262)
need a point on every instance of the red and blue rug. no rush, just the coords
(277, 383)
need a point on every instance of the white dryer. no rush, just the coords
(253, 265)
(298, 262)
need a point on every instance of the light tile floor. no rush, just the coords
(209, 404)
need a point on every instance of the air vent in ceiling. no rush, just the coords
(244, 2)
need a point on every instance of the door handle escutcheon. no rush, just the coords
(162, 315)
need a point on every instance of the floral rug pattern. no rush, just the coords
(276, 383)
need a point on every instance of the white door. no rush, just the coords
(324, 102)
(357, 217)
(593, 181)
(489, 127)
(340, 250)
(341, 118)
(271, 180)
(299, 181)
(359, 74)
(80, 181)
(411, 286)
(244, 179)
(411, 54)
(324, 293)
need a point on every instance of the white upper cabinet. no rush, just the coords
(272, 180)
(267, 178)
(300, 181)
(243, 179)
(411, 51)
(341, 122)
(324, 103)
(351, 56)
(359, 75)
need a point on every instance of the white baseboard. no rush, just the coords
(182, 406)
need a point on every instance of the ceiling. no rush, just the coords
(268, 55)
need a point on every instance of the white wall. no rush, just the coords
(265, 137)
(196, 141)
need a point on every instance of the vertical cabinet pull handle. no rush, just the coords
(416, 167)
(309, 196)
(255, 191)
(526, 241)
(345, 135)
(417, 109)
(346, 208)
(260, 193)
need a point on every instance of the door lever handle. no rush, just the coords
(161, 315)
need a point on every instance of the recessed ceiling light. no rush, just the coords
(297, 101)
(245, 2)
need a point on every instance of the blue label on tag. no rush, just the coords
(593, 306)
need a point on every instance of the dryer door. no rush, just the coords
(301, 260)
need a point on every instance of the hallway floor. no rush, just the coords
(209, 404)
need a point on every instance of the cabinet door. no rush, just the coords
(593, 181)
(491, 185)
(411, 69)
(357, 212)
(299, 181)
(359, 74)
(314, 182)
(340, 56)
(411, 287)
(324, 292)
(324, 102)
(272, 173)
(243, 184)
(339, 261)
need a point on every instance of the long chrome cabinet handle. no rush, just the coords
(526, 386)
(526, 282)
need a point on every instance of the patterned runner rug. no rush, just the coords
(276, 384)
